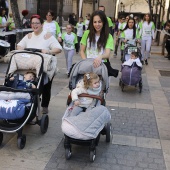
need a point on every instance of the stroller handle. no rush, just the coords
(33, 49)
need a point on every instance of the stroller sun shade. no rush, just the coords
(25, 61)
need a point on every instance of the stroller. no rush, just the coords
(22, 113)
(131, 70)
(82, 129)
(4, 49)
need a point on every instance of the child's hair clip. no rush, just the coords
(88, 76)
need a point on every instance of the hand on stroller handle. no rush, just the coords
(33, 49)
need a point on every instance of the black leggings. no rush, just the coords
(46, 94)
(168, 46)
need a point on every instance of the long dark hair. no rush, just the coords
(104, 34)
(149, 18)
(51, 13)
(134, 27)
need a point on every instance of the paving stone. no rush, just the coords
(134, 122)
(108, 157)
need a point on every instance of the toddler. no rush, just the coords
(90, 84)
(133, 58)
(27, 83)
(69, 41)
(80, 29)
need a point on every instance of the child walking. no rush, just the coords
(80, 26)
(90, 84)
(69, 44)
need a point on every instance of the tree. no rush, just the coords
(17, 19)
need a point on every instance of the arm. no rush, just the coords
(109, 46)
(84, 44)
(153, 30)
(82, 51)
(54, 46)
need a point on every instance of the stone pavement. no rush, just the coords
(140, 127)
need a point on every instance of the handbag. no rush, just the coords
(111, 71)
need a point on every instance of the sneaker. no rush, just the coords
(146, 61)
(114, 54)
(142, 62)
(45, 110)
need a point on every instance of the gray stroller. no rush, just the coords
(85, 128)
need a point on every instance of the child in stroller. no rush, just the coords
(85, 127)
(20, 95)
(26, 83)
(131, 72)
(90, 84)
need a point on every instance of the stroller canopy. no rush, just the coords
(86, 66)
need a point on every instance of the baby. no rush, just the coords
(27, 83)
(91, 85)
(133, 58)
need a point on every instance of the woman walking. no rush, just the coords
(48, 44)
(147, 33)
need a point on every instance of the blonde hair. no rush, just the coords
(88, 78)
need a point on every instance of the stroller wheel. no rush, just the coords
(44, 123)
(140, 89)
(108, 132)
(21, 141)
(67, 153)
(92, 155)
(1, 137)
(120, 82)
(140, 86)
(122, 86)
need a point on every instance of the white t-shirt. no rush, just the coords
(69, 41)
(79, 27)
(86, 23)
(39, 42)
(50, 27)
(92, 52)
(147, 29)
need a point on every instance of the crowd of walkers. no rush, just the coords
(93, 37)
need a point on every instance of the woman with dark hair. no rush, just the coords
(52, 26)
(48, 44)
(3, 20)
(130, 33)
(147, 34)
(96, 41)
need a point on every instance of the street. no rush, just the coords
(140, 126)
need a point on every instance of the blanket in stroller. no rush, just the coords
(12, 109)
(131, 72)
(86, 125)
